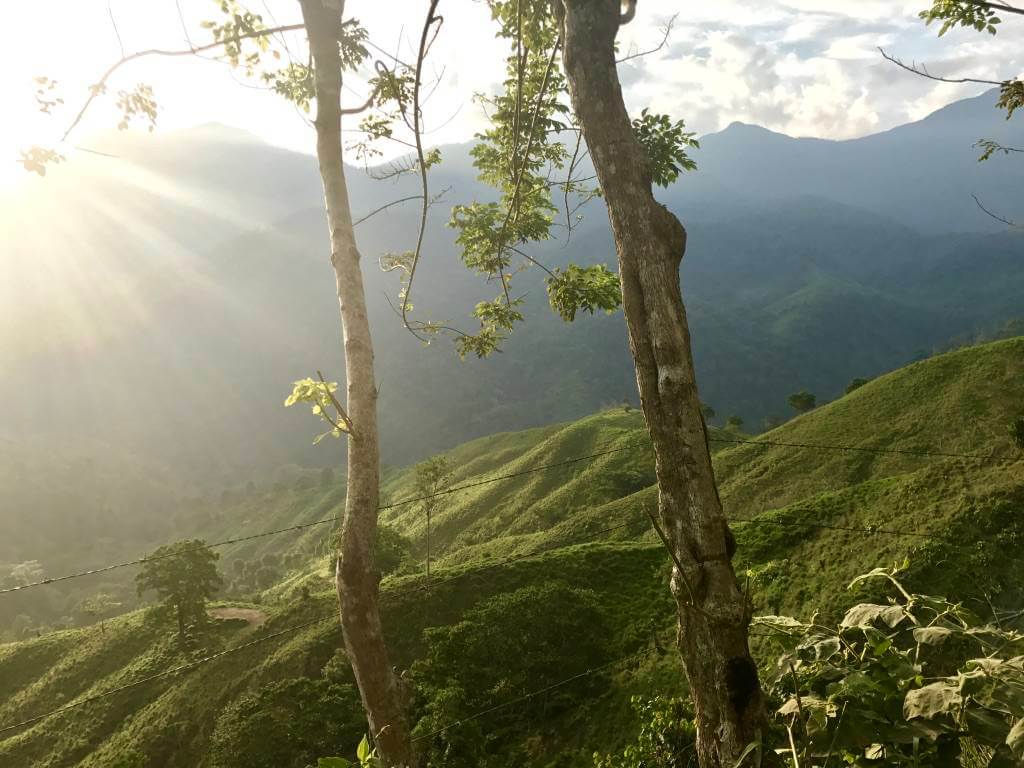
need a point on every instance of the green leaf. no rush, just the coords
(931, 635)
(866, 614)
(363, 750)
(1015, 739)
(333, 762)
(936, 699)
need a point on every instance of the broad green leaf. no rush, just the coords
(1015, 739)
(931, 635)
(935, 699)
(866, 614)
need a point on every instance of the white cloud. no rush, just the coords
(804, 67)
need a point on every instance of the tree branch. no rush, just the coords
(100, 86)
(341, 411)
(996, 6)
(384, 207)
(435, 22)
(1007, 222)
(923, 72)
(666, 31)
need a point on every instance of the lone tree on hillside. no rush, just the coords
(184, 576)
(99, 607)
(856, 384)
(802, 401)
(433, 478)
(734, 423)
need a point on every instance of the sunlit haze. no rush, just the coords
(805, 68)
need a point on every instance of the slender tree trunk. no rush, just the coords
(713, 612)
(356, 576)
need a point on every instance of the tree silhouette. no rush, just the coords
(802, 401)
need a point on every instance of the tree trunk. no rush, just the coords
(356, 576)
(713, 612)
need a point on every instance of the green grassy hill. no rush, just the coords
(801, 517)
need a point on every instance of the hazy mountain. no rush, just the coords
(165, 300)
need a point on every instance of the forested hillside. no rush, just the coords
(193, 262)
(548, 547)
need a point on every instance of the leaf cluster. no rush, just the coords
(961, 13)
(899, 684)
(322, 401)
(665, 143)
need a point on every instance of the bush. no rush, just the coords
(288, 724)
(666, 739)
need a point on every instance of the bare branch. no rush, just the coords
(98, 88)
(384, 207)
(923, 72)
(666, 31)
(997, 217)
(113, 23)
(434, 22)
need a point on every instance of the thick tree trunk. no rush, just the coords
(713, 612)
(356, 576)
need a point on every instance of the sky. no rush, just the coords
(801, 67)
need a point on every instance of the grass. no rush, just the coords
(554, 522)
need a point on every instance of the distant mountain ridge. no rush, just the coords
(168, 308)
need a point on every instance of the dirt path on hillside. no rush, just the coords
(251, 615)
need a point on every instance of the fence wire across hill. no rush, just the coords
(541, 468)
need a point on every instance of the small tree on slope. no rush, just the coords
(184, 576)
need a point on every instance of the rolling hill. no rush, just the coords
(534, 544)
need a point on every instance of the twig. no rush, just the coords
(666, 31)
(113, 23)
(97, 88)
(997, 217)
(923, 72)
(384, 208)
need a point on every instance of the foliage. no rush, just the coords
(961, 13)
(583, 288)
(665, 143)
(666, 738)
(802, 401)
(542, 634)
(734, 423)
(707, 411)
(320, 395)
(287, 724)
(391, 550)
(876, 691)
(367, 758)
(183, 575)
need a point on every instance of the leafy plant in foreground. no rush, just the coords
(914, 682)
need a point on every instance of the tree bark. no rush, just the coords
(356, 576)
(713, 613)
